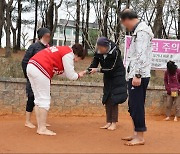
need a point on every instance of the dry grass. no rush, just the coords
(11, 67)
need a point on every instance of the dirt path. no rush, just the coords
(82, 135)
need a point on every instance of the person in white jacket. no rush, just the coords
(138, 68)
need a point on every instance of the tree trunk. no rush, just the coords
(13, 29)
(118, 27)
(7, 28)
(36, 18)
(50, 18)
(14, 39)
(65, 31)
(2, 6)
(56, 19)
(158, 22)
(127, 6)
(105, 27)
(87, 26)
(18, 47)
(77, 21)
(179, 22)
(83, 23)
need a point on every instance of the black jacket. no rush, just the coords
(31, 51)
(115, 85)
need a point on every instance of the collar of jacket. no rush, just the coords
(42, 44)
(135, 27)
(142, 26)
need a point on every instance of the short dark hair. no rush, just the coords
(79, 50)
(128, 14)
(42, 31)
(171, 67)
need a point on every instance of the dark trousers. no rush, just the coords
(111, 111)
(30, 95)
(137, 96)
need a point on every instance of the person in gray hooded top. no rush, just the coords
(138, 67)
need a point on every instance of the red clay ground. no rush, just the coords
(82, 135)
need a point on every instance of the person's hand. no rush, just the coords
(93, 70)
(81, 74)
(136, 81)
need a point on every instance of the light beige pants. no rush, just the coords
(173, 101)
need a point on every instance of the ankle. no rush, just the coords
(28, 122)
(175, 118)
(42, 129)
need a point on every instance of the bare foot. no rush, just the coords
(46, 132)
(29, 125)
(129, 138)
(167, 119)
(175, 119)
(112, 127)
(135, 141)
(106, 126)
(48, 125)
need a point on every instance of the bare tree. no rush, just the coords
(77, 21)
(178, 21)
(19, 20)
(8, 7)
(158, 22)
(50, 17)
(25, 38)
(87, 25)
(118, 24)
(56, 19)
(36, 20)
(16, 27)
(105, 18)
(2, 8)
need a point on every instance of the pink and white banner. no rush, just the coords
(163, 51)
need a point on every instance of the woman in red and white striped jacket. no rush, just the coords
(40, 70)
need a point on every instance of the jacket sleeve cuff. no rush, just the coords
(137, 71)
(78, 76)
(99, 70)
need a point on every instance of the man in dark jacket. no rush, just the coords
(115, 88)
(44, 38)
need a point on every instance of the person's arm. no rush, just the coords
(95, 62)
(166, 82)
(178, 76)
(28, 55)
(141, 45)
(68, 63)
(93, 68)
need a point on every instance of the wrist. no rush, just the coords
(138, 76)
(98, 69)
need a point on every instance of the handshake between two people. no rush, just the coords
(88, 71)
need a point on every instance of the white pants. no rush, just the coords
(40, 85)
